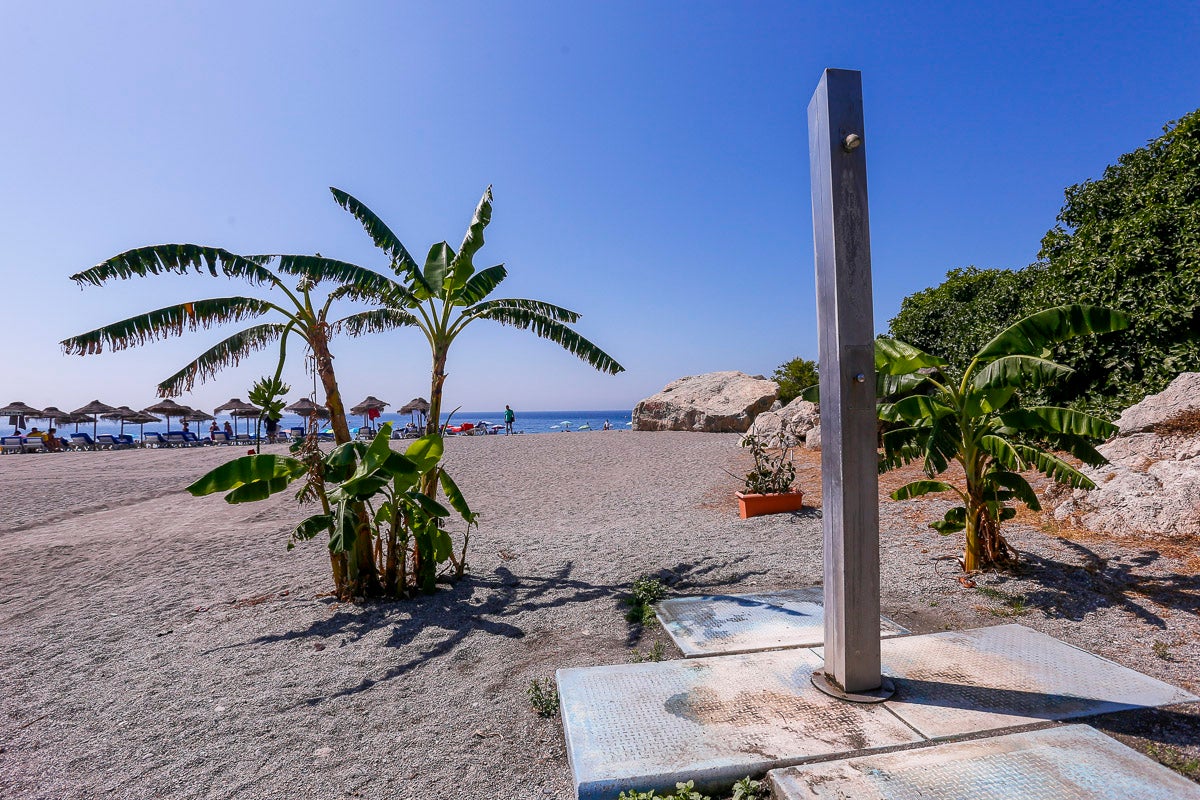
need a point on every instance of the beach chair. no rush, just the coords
(219, 437)
(11, 444)
(81, 441)
(34, 444)
(153, 439)
(126, 441)
(106, 441)
(176, 439)
(192, 439)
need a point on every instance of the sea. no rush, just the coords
(528, 422)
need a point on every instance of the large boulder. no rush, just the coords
(718, 402)
(797, 418)
(1151, 486)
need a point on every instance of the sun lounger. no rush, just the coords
(81, 441)
(34, 444)
(126, 440)
(192, 439)
(220, 437)
(176, 439)
(154, 439)
(106, 441)
(11, 444)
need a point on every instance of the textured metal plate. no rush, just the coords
(1073, 762)
(712, 720)
(744, 623)
(960, 682)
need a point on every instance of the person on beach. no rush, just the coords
(509, 418)
(53, 443)
(272, 428)
(607, 426)
(228, 429)
(185, 426)
(34, 433)
(213, 428)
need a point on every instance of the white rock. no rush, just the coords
(718, 402)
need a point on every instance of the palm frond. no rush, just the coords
(437, 267)
(549, 310)
(319, 268)
(481, 285)
(895, 357)
(1019, 486)
(226, 353)
(178, 258)
(396, 295)
(374, 321)
(1054, 467)
(1002, 451)
(921, 488)
(1058, 420)
(379, 232)
(461, 268)
(549, 328)
(165, 323)
(1033, 334)
(900, 447)
(1020, 370)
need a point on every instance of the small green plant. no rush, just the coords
(748, 789)
(683, 791)
(644, 593)
(1175, 759)
(774, 468)
(1015, 605)
(656, 653)
(1160, 649)
(543, 696)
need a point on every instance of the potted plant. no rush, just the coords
(768, 487)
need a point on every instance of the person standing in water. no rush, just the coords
(509, 417)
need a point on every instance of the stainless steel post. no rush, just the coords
(850, 484)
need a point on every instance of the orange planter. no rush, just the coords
(755, 505)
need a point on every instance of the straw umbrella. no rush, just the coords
(307, 409)
(372, 403)
(19, 409)
(52, 415)
(168, 408)
(121, 414)
(94, 409)
(237, 408)
(418, 405)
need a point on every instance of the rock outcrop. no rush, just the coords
(718, 402)
(797, 418)
(1152, 485)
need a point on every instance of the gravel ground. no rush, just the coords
(157, 645)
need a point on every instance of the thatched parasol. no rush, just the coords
(125, 414)
(418, 405)
(372, 403)
(18, 410)
(94, 409)
(168, 408)
(236, 407)
(307, 409)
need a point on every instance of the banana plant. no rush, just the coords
(267, 393)
(352, 476)
(980, 423)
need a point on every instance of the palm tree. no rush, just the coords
(442, 299)
(980, 423)
(447, 294)
(297, 314)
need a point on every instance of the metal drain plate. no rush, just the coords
(960, 682)
(1073, 762)
(744, 623)
(712, 720)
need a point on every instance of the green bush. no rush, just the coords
(794, 377)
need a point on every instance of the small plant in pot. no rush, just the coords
(768, 486)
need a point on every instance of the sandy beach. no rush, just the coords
(159, 645)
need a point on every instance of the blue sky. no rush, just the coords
(649, 164)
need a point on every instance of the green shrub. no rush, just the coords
(543, 696)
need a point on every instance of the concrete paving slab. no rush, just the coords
(712, 720)
(961, 682)
(1072, 762)
(725, 624)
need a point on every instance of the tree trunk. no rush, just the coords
(362, 578)
(429, 481)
